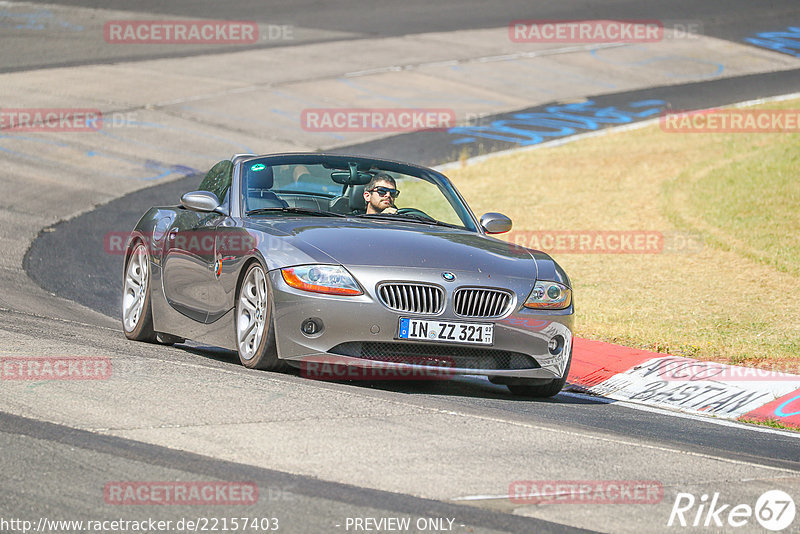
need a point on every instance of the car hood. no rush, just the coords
(398, 244)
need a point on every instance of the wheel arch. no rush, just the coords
(144, 328)
(133, 240)
(256, 258)
(270, 334)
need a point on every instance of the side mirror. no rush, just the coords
(495, 223)
(204, 201)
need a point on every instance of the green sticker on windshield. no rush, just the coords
(258, 167)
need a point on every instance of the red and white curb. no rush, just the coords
(671, 382)
(684, 384)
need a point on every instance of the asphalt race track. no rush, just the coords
(732, 19)
(52, 259)
(322, 455)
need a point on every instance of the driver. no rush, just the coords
(380, 194)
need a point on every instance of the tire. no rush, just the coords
(540, 391)
(168, 339)
(137, 318)
(255, 333)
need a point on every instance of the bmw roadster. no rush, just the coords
(290, 258)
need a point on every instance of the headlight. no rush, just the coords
(549, 296)
(329, 279)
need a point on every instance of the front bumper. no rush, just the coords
(361, 332)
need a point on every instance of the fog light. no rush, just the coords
(311, 327)
(555, 345)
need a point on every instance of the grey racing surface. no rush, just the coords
(67, 44)
(299, 436)
(322, 453)
(93, 458)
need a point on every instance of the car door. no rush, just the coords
(189, 262)
(191, 259)
(233, 246)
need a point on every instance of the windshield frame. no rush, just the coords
(457, 202)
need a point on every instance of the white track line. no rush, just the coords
(684, 415)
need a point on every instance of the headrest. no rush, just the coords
(357, 202)
(259, 176)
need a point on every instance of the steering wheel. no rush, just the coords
(414, 212)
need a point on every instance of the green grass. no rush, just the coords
(750, 204)
(772, 423)
(426, 197)
(735, 299)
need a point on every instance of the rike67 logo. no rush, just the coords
(774, 510)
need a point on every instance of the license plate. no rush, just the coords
(446, 331)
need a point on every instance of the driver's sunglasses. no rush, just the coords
(383, 190)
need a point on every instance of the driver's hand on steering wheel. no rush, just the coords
(390, 210)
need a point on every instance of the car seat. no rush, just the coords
(356, 199)
(259, 195)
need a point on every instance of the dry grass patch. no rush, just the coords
(737, 300)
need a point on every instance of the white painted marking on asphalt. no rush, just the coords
(577, 434)
(683, 415)
(655, 381)
(580, 435)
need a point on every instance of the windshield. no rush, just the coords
(355, 190)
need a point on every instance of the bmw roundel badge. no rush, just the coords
(448, 276)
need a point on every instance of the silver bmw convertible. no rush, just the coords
(294, 259)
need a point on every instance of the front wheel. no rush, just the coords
(255, 336)
(137, 319)
(548, 389)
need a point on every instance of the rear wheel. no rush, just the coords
(255, 335)
(137, 319)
